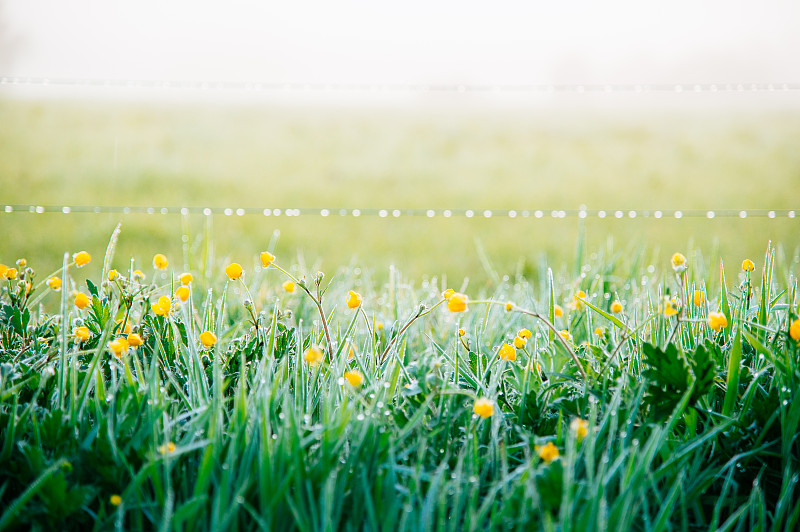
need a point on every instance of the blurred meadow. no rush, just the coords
(255, 155)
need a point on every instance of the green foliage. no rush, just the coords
(246, 434)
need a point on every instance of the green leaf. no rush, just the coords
(704, 369)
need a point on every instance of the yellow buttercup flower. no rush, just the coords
(717, 320)
(354, 377)
(350, 349)
(313, 356)
(169, 447)
(507, 352)
(462, 332)
(186, 278)
(794, 330)
(81, 333)
(113, 275)
(208, 338)
(82, 300)
(22, 262)
(509, 306)
(519, 342)
(616, 307)
(115, 500)
(483, 407)
(11, 273)
(524, 333)
(82, 258)
(118, 346)
(577, 299)
(127, 326)
(579, 427)
(566, 335)
(548, 452)
(134, 340)
(698, 298)
(288, 286)
(3, 270)
(353, 299)
(234, 271)
(679, 263)
(162, 307)
(448, 293)
(748, 265)
(267, 258)
(160, 261)
(558, 311)
(183, 293)
(457, 302)
(138, 275)
(599, 331)
(379, 325)
(54, 283)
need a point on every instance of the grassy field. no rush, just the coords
(118, 153)
(622, 398)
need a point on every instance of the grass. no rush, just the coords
(123, 153)
(639, 421)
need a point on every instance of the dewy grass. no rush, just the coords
(611, 401)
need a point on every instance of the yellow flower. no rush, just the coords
(448, 293)
(10, 274)
(82, 258)
(599, 331)
(267, 258)
(186, 278)
(579, 427)
(462, 332)
(566, 335)
(54, 283)
(115, 500)
(524, 333)
(81, 300)
(138, 275)
(288, 286)
(350, 349)
(169, 447)
(160, 261)
(578, 297)
(717, 320)
(794, 330)
(548, 452)
(81, 333)
(483, 407)
(748, 265)
(616, 307)
(558, 311)
(509, 306)
(208, 338)
(113, 275)
(354, 377)
(519, 342)
(183, 293)
(3, 269)
(679, 263)
(127, 326)
(313, 356)
(699, 297)
(669, 307)
(234, 271)
(162, 307)
(379, 325)
(457, 302)
(353, 299)
(134, 340)
(118, 346)
(507, 352)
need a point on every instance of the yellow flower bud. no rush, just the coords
(82, 258)
(289, 286)
(548, 452)
(54, 283)
(82, 300)
(354, 377)
(698, 298)
(483, 407)
(313, 356)
(519, 342)
(183, 293)
(507, 352)
(208, 338)
(267, 258)
(717, 320)
(457, 302)
(748, 265)
(616, 307)
(353, 299)
(160, 261)
(234, 271)
(186, 278)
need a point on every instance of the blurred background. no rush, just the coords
(447, 105)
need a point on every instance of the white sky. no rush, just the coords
(409, 41)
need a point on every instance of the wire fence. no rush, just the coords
(397, 213)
